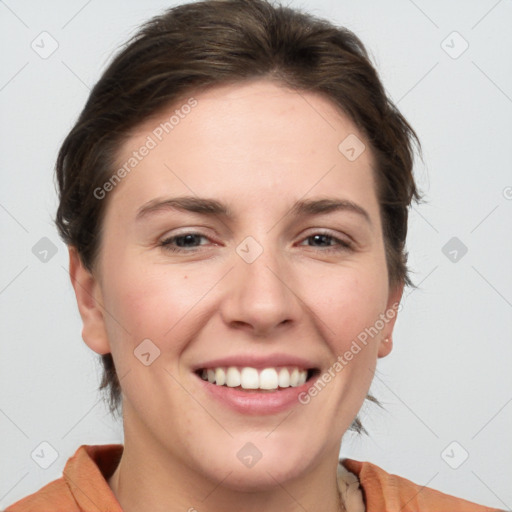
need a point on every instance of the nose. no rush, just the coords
(261, 297)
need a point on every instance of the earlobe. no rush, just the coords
(90, 304)
(385, 347)
(386, 340)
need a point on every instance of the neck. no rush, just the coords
(151, 478)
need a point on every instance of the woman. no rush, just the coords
(234, 197)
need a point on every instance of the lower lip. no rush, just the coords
(256, 403)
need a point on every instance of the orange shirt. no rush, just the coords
(84, 488)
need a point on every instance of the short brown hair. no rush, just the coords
(210, 43)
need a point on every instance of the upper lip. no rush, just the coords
(258, 362)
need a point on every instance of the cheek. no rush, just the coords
(149, 303)
(347, 303)
(153, 301)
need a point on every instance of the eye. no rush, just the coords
(328, 242)
(186, 242)
(190, 242)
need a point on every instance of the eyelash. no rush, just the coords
(342, 245)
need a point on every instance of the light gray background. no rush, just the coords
(448, 377)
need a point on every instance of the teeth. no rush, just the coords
(232, 377)
(294, 378)
(251, 378)
(220, 376)
(268, 379)
(283, 378)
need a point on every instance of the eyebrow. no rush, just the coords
(214, 208)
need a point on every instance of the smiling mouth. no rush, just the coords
(262, 380)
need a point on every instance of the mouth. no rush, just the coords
(260, 380)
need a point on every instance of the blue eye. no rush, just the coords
(190, 242)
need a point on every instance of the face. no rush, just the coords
(271, 282)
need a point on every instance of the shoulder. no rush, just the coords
(393, 493)
(83, 485)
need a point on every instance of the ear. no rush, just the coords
(386, 341)
(90, 304)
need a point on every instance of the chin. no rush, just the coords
(251, 463)
(262, 476)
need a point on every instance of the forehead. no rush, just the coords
(230, 116)
(252, 139)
